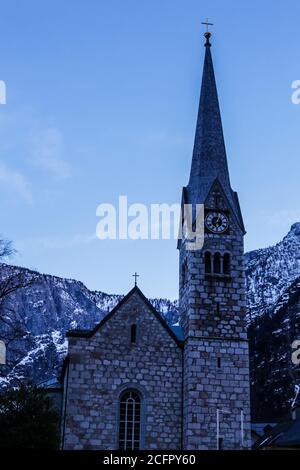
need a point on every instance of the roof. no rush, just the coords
(175, 332)
(260, 427)
(51, 384)
(209, 162)
(64, 369)
(285, 435)
(178, 331)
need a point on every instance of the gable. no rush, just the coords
(104, 363)
(134, 308)
(217, 200)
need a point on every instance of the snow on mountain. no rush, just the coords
(34, 322)
(273, 296)
(270, 270)
(273, 373)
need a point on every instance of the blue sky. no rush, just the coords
(102, 99)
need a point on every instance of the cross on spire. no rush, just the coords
(207, 24)
(207, 33)
(209, 162)
(135, 275)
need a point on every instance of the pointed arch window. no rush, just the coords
(130, 421)
(217, 263)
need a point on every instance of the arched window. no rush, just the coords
(217, 263)
(133, 334)
(130, 421)
(2, 353)
(207, 258)
(226, 264)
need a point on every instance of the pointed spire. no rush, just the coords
(209, 156)
(209, 160)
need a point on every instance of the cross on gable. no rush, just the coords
(135, 275)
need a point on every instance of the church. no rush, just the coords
(134, 382)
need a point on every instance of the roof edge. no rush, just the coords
(136, 289)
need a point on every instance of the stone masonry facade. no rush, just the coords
(103, 365)
(191, 380)
(216, 365)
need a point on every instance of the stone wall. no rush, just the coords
(216, 364)
(102, 366)
(216, 376)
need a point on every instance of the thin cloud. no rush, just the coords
(13, 181)
(47, 150)
(42, 243)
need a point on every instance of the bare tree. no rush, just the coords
(6, 249)
(17, 278)
(15, 281)
(12, 279)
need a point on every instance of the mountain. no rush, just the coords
(273, 297)
(35, 319)
(270, 271)
(273, 373)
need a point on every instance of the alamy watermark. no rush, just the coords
(296, 352)
(2, 92)
(2, 353)
(296, 94)
(159, 221)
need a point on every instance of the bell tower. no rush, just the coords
(212, 292)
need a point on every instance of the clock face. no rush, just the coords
(217, 222)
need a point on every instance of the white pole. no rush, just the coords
(218, 429)
(242, 428)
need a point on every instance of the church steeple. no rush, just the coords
(209, 162)
(212, 297)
